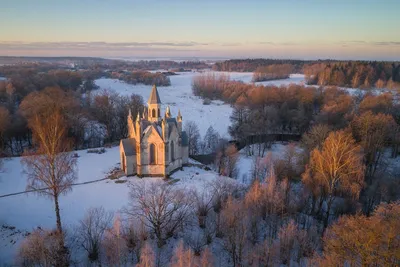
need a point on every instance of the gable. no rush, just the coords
(152, 134)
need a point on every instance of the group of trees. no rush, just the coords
(272, 72)
(251, 65)
(347, 142)
(92, 118)
(355, 74)
(144, 77)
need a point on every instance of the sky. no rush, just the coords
(299, 29)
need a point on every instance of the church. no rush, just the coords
(156, 146)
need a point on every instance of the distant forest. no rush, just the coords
(251, 65)
(355, 74)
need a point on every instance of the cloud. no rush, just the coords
(97, 45)
(372, 43)
(386, 43)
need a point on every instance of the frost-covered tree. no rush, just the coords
(91, 229)
(194, 137)
(162, 207)
(211, 141)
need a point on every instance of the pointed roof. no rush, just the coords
(154, 97)
(168, 112)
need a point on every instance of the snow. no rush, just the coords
(28, 211)
(245, 162)
(179, 96)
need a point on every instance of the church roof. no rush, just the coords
(129, 145)
(154, 97)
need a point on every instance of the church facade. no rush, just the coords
(156, 145)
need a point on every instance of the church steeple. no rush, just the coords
(154, 96)
(153, 105)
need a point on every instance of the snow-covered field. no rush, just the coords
(28, 211)
(179, 96)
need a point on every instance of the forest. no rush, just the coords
(343, 168)
(355, 74)
(352, 74)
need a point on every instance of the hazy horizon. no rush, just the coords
(357, 30)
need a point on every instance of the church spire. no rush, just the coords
(153, 106)
(179, 115)
(154, 96)
(168, 112)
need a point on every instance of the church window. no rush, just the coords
(153, 113)
(152, 154)
(172, 151)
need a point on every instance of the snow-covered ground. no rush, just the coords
(27, 211)
(179, 96)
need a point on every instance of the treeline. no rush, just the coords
(355, 74)
(272, 72)
(104, 64)
(143, 77)
(250, 65)
(93, 118)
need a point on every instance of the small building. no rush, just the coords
(156, 146)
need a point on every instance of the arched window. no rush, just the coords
(153, 113)
(172, 151)
(152, 154)
(159, 111)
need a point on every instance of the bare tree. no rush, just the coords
(51, 168)
(114, 244)
(364, 241)
(293, 243)
(147, 257)
(203, 204)
(211, 141)
(42, 248)
(135, 237)
(183, 257)
(335, 169)
(162, 207)
(193, 134)
(4, 124)
(235, 230)
(232, 157)
(91, 230)
(196, 241)
(207, 258)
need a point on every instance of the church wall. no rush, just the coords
(153, 170)
(174, 165)
(185, 154)
(157, 168)
(130, 162)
